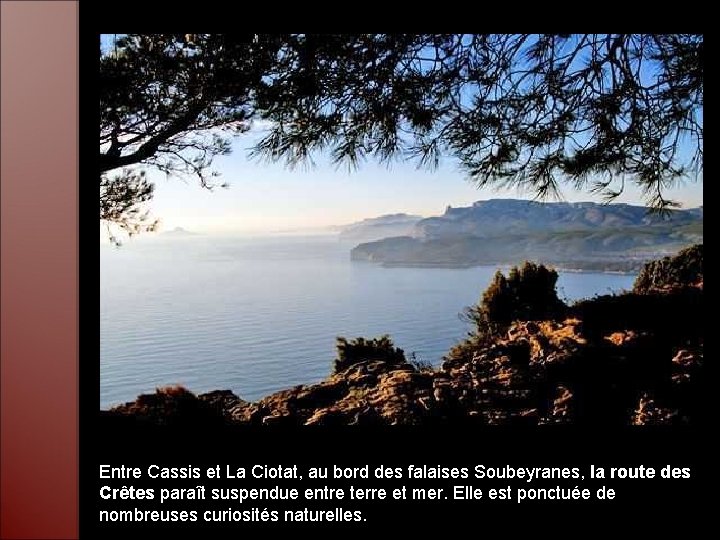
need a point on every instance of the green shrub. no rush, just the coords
(361, 349)
(527, 293)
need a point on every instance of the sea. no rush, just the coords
(257, 315)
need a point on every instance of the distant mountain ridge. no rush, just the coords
(178, 231)
(513, 216)
(380, 227)
(583, 236)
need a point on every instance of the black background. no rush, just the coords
(645, 504)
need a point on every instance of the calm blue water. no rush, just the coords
(259, 315)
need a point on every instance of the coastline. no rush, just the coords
(463, 266)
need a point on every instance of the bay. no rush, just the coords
(256, 315)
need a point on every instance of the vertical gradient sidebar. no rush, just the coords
(39, 268)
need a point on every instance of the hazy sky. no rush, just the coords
(268, 197)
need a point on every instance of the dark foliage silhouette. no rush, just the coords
(361, 350)
(527, 293)
(527, 110)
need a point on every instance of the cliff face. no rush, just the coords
(635, 358)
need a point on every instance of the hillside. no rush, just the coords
(512, 216)
(584, 236)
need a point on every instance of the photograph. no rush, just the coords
(401, 229)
